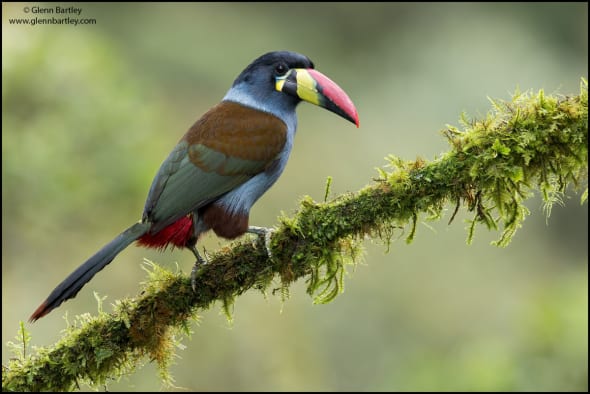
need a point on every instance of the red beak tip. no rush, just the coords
(355, 119)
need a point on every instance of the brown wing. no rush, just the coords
(226, 147)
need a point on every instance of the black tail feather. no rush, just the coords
(82, 275)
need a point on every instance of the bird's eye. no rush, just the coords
(281, 69)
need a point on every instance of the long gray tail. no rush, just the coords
(82, 275)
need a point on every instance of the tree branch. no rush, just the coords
(534, 142)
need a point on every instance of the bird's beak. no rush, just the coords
(314, 87)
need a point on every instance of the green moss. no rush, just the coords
(533, 142)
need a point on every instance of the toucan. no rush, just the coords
(223, 164)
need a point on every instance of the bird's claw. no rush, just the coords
(263, 232)
(196, 271)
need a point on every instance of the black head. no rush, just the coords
(270, 65)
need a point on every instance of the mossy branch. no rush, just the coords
(533, 142)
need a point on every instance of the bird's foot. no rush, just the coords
(263, 232)
(197, 267)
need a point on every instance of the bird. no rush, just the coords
(222, 165)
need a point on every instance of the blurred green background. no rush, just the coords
(89, 113)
